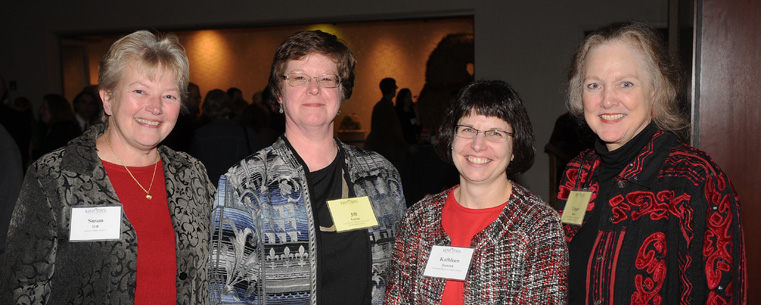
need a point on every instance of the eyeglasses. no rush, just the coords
(298, 79)
(491, 135)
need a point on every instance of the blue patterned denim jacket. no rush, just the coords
(264, 237)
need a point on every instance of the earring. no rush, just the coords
(281, 108)
(339, 112)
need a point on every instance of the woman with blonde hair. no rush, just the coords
(648, 218)
(112, 217)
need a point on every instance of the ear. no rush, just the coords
(105, 96)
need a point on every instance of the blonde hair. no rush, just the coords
(663, 70)
(150, 53)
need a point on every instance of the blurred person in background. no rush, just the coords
(220, 143)
(57, 125)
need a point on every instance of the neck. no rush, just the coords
(112, 148)
(481, 196)
(317, 148)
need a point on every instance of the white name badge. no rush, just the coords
(448, 262)
(95, 223)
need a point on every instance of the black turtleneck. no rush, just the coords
(612, 163)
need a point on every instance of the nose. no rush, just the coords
(608, 98)
(479, 142)
(313, 87)
(154, 105)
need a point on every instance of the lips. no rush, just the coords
(612, 117)
(147, 122)
(476, 160)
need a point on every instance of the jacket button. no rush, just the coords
(183, 275)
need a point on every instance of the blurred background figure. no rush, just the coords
(405, 110)
(386, 136)
(17, 117)
(82, 209)
(239, 103)
(57, 124)
(86, 109)
(11, 176)
(220, 143)
(188, 121)
(258, 117)
(235, 94)
(22, 126)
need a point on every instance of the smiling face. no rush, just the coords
(616, 93)
(478, 160)
(311, 106)
(143, 110)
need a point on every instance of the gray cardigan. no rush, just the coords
(43, 267)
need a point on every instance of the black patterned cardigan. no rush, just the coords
(264, 233)
(43, 267)
(670, 229)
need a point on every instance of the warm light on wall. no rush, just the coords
(224, 58)
(209, 55)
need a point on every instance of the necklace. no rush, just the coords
(155, 165)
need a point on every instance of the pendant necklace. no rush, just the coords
(155, 165)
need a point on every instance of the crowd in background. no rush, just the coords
(267, 205)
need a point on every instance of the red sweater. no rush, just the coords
(461, 224)
(156, 258)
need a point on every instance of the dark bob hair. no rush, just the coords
(491, 98)
(304, 43)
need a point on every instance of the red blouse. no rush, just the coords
(461, 224)
(156, 258)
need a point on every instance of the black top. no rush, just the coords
(579, 249)
(343, 259)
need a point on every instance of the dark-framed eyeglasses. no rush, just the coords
(491, 135)
(298, 79)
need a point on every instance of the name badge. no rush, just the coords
(448, 262)
(352, 213)
(95, 223)
(576, 207)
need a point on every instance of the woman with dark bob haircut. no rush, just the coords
(518, 252)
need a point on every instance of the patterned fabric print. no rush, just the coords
(650, 258)
(521, 258)
(669, 195)
(43, 267)
(264, 234)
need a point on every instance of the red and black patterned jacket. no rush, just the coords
(520, 258)
(670, 231)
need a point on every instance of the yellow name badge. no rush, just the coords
(352, 213)
(576, 207)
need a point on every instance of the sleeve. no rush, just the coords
(546, 281)
(723, 251)
(234, 265)
(403, 266)
(31, 247)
